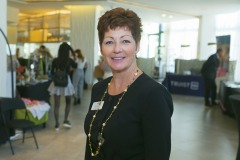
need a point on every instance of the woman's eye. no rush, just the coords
(108, 42)
(125, 41)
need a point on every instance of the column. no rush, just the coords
(207, 27)
(84, 34)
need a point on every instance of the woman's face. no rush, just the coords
(119, 49)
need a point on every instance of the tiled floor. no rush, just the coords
(198, 133)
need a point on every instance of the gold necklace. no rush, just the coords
(100, 135)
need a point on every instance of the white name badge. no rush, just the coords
(97, 105)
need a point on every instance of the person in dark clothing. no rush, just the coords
(209, 72)
(62, 62)
(129, 115)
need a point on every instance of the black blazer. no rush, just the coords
(209, 68)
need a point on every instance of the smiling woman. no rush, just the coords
(119, 49)
(129, 115)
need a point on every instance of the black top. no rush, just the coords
(139, 129)
(209, 68)
(56, 64)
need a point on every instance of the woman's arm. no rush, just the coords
(156, 124)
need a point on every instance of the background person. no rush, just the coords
(98, 71)
(106, 69)
(78, 76)
(42, 59)
(209, 72)
(102, 70)
(62, 62)
(85, 85)
(129, 115)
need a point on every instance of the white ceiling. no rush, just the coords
(179, 9)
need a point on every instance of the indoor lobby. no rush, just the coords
(176, 41)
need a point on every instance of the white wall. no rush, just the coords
(206, 35)
(83, 34)
(8, 15)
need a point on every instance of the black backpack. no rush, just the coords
(60, 77)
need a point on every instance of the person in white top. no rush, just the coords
(78, 76)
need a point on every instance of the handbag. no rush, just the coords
(60, 77)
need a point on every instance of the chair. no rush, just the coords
(10, 105)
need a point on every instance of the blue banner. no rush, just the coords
(192, 85)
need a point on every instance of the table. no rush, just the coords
(226, 89)
(192, 85)
(36, 91)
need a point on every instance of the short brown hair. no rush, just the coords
(120, 17)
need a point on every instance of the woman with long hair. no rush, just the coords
(62, 62)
